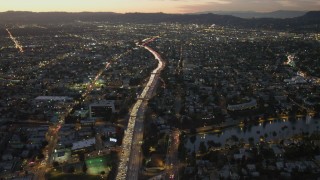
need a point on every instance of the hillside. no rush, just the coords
(309, 21)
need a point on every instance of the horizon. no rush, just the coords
(157, 6)
(160, 12)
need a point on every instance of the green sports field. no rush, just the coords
(74, 177)
(98, 164)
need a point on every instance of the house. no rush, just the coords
(25, 153)
(251, 167)
(15, 142)
(8, 165)
(227, 173)
(28, 177)
(7, 156)
(280, 165)
(289, 166)
(61, 155)
(278, 152)
(81, 145)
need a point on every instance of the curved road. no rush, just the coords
(130, 160)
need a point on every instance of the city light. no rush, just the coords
(17, 44)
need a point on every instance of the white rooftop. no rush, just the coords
(83, 143)
(53, 98)
(103, 103)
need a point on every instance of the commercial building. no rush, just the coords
(101, 109)
(248, 105)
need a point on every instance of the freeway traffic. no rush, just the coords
(130, 160)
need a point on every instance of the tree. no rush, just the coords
(71, 169)
(44, 144)
(193, 139)
(251, 141)
(234, 138)
(103, 138)
(274, 134)
(81, 156)
(84, 168)
(113, 173)
(55, 164)
(202, 147)
(182, 152)
(40, 156)
(193, 131)
(213, 156)
(210, 143)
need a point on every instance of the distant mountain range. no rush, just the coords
(310, 21)
(252, 14)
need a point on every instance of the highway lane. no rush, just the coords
(131, 156)
(136, 154)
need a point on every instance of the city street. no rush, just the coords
(172, 161)
(155, 91)
(55, 128)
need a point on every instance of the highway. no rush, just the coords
(131, 156)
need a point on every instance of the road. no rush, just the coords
(40, 168)
(172, 161)
(16, 42)
(130, 160)
(135, 159)
(90, 87)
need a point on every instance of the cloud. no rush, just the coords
(198, 1)
(287, 3)
(168, 6)
(221, 2)
(251, 5)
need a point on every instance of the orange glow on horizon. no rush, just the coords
(118, 6)
(165, 6)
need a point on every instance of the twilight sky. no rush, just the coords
(167, 6)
